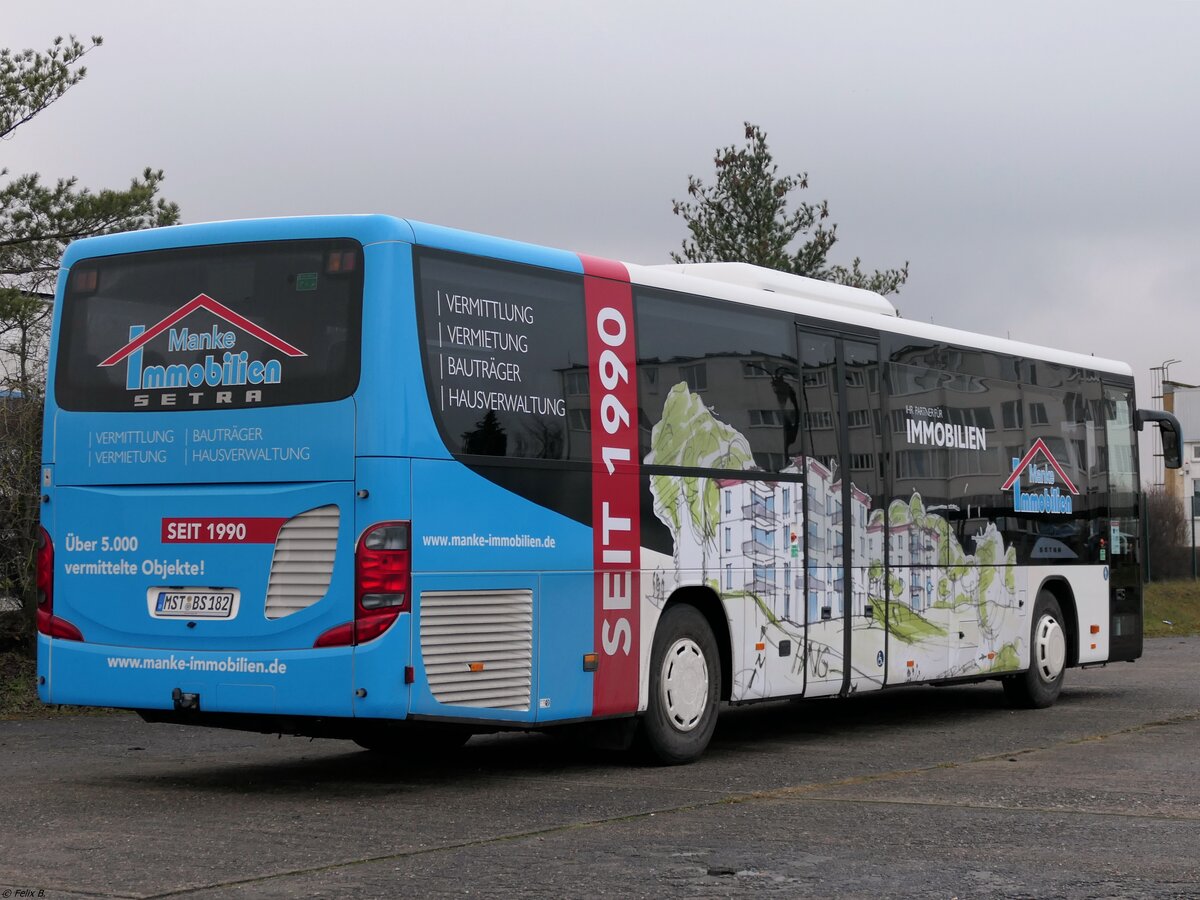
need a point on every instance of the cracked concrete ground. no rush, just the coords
(937, 792)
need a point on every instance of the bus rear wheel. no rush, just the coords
(1040, 685)
(685, 688)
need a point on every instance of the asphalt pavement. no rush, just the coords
(914, 792)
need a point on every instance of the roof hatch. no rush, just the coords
(764, 279)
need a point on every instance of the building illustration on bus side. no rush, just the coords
(955, 615)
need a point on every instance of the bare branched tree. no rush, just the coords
(37, 221)
(1167, 536)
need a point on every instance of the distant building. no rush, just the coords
(1184, 483)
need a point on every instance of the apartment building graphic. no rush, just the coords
(947, 612)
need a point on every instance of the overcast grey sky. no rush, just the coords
(1037, 163)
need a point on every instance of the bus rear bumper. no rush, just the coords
(281, 682)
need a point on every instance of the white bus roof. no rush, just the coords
(775, 282)
(768, 289)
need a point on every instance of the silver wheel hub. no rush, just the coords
(1049, 649)
(684, 684)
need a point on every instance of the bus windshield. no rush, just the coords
(215, 327)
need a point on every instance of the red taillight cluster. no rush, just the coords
(340, 262)
(382, 567)
(48, 623)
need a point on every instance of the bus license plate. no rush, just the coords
(195, 604)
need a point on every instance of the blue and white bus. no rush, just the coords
(368, 478)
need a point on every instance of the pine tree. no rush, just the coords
(744, 217)
(37, 221)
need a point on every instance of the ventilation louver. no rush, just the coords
(478, 647)
(303, 562)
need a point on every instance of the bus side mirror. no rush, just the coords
(1170, 432)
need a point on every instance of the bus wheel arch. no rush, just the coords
(1061, 590)
(686, 681)
(710, 606)
(1040, 684)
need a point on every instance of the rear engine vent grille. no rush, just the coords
(303, 561)
(478, 647)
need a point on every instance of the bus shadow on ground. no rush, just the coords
(341, 769)
(917, 708)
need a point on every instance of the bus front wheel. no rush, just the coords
(1039, 686)
(685, 688)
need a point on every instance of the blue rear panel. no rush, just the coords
(246, 503)
(157, 510)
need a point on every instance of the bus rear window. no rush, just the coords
(217, 327)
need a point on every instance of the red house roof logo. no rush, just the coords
(203, 301)
(1039, 446)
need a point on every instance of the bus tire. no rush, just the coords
(1039, 685)
(685, 688)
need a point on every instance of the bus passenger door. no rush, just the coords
(1120, 530)
(843, 577)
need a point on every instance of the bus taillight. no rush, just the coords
(48, 623)
(382, 564)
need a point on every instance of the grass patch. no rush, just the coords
(1177, 602)
(18, 691)
(18, 686)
